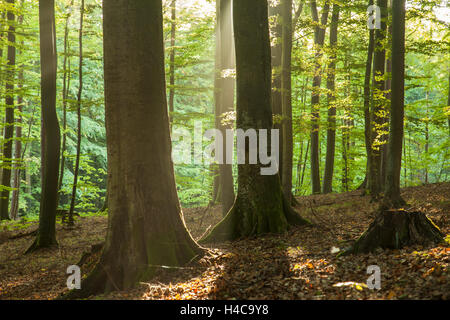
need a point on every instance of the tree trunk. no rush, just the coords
(225, 96)
(397, 109)
(18, 162)
(50, 133)
(385, 126)
(276, 50)
(394, 229)
(448, 105)
(80, 92)
(65, 94)
(367, 100)
(374, 179)
(9, 116)
(146, 227)
(286, 93)
(331, 132)
(260, 205)
(427, 139)
(173, 31)
(319, 38)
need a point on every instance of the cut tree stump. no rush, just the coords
(394, 229)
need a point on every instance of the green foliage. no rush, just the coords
(426, 156)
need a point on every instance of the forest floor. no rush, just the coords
(300, 264)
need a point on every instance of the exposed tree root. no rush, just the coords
(96, 248)
(23, 235)
(245, 220)
(41, 243)
(112, 273)
(394, 229)
(96, 282)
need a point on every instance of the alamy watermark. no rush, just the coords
(374, 17)
(188, 148)
(374, 281)
(74, 280)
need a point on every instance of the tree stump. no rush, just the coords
(394, 229)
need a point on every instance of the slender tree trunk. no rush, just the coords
(50, 133)
(304, 163)
(378, 105)
(260, 205)
(405, 176)
(286, 93)
(331, 132)
(146, 227)
(65, 94)
(9, 116)
(225, 96)
(319, 38)
(2, 129)
(385, 126)
(427, 139)
(80, 92)
(173, 31)
(448, 105)
(18, 163)
(367, 101)
(275, 13)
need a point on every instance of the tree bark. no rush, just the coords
(146, 230)
(319, 38)
(331, 76)
(50, 133)
(80, 92)
(65, 94)
(276, 50)
(173, 32)
(9, 116)
(260, 205)
(225, 82)
(286, 93)
(374, 179)
(367, 100)
(385, 125)
(18, 161)
(397, 110)
(393, 229)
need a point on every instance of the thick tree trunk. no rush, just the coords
(260, 205)
(9, 116)
(50, 133)
(392, 196)
(146, 230)
(331, 132)
(378, 105)
(319, 38)
(80, 92)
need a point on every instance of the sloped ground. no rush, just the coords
(297, 265)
